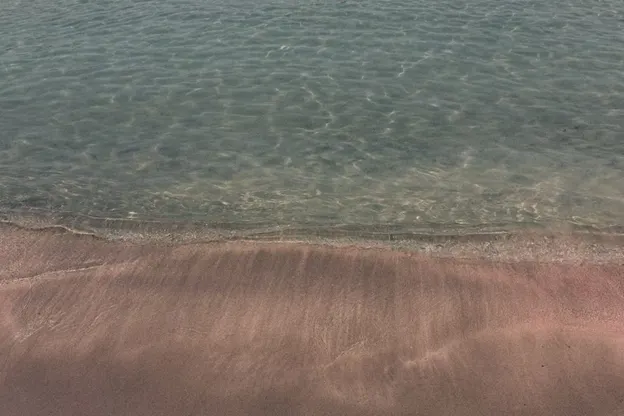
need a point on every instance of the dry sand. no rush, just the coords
(96, 327)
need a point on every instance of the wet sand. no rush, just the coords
(90, 326)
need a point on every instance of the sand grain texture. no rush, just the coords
(95, 327)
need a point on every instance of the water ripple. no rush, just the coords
(333, 112)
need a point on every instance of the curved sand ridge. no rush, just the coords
(517, 325)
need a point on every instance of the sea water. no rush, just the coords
(410, 114)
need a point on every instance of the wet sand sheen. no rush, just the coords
(97, 327)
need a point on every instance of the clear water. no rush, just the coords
(410, 113)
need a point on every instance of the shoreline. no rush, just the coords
(556, 244)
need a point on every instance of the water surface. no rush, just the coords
(410, 114)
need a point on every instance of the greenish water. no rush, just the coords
(411, 114)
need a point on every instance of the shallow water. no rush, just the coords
(410, 114)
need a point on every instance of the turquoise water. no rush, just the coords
(407, 113)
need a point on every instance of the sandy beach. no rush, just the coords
(91, 326)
